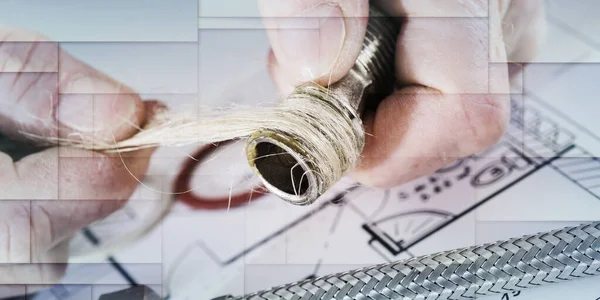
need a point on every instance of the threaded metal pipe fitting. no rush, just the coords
(274, 155)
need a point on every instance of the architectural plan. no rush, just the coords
(543, 174)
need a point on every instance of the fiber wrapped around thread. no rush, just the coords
(331, 142)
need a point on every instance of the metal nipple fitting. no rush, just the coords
(273, 155)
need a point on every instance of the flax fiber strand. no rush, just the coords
(311, 116)
(328, 137)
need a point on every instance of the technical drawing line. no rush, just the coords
(585, 188)
(556, 111)
(494, 268)
(383, 238)
(211, 254)
(275, 234)
(576, 33)
(410, 254)
(386, 198)
(334, 225)
(357, 211)
(96, 242)
(335, 222)
(406, 213)
(391, 244)
(587, 178)
(586, 170)
(422, 225)
(318, 266)
(406, 229)
(379, 252)
(575, 161)
(171, 271)
(493, 195)
(337, 198)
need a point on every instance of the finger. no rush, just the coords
(84, 189)
(453, 101)
(67, 194)
(15, 231)
(451, 55)
(32, 274)
(276, 75)
(438, 9)
(419, 130)
(315, 40)
(66, 189)
(75, 174)
(41, 96)
(73, 177)
(524, 27)
(55, 222)
(18, 241)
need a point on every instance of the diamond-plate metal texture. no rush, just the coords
(496, 268)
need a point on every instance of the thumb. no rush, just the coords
(524, 29)
(313, 40)
(45, 91)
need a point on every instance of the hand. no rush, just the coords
(46, 197)
(452, 73)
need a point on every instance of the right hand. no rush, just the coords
(452, 98)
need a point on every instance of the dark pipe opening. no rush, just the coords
(280, 169)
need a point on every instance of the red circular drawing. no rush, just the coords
(187, 196)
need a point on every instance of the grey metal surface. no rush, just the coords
(373, 75)
(496, 268)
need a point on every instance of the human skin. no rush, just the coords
(452, 101)
(452, 67)
(48, 196)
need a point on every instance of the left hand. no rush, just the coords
(48, 196)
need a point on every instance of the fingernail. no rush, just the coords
(311, 41)
(90, 104)
(86, 113)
